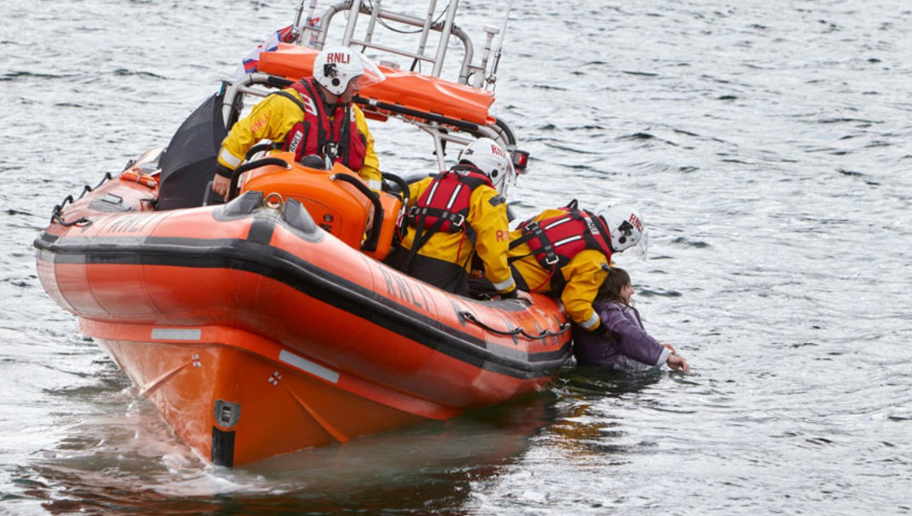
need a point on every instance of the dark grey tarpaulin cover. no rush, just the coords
(190, 159)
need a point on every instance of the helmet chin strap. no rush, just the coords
(322, 92)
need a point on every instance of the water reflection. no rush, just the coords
(589, 422)
(122, 464)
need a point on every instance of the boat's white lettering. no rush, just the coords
(421, 290)
(397, 287)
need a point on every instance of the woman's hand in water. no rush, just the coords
(677, 363)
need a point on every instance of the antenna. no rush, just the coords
(503, 33)
(295, 32)
(299, 29)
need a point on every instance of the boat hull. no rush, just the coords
(255, 332)
(244, 398)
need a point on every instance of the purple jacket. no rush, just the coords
(627, 347)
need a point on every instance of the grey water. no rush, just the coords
(767, 145)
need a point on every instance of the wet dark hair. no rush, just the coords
(610, 289)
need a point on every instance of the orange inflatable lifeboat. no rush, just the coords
(269, 325)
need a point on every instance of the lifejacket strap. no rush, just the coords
(455, 219)
(535, 230)
(421, 237)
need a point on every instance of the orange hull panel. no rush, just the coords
(279, 408)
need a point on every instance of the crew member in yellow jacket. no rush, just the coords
(567, 252)
(456, 214)
(315, 116)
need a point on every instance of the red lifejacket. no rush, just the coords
(556, 240)
(349, 146)
(446, 201)
(444, 205)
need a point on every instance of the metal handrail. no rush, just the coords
(446, 28)
(437, 126)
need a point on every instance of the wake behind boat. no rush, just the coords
(270, 324)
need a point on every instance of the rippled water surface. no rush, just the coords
(767, 145)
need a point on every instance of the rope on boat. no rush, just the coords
(57, 212)
(515, 331)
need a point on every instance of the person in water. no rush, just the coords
(315, 116)
(625, 346)
(456, 215)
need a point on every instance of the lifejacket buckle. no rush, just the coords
(331, 150)
(459, 221)
(552, 260)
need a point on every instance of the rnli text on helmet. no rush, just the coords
(338, 57)
(636, 222)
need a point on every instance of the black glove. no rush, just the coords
(509, 295)
(601, 330)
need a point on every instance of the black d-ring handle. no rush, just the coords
(403, 186)
(373, 236)
(260, 147)
(232, 193)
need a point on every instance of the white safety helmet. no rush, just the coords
(625, 225)
(335, 67)
(488, 156)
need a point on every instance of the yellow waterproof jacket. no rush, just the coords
(272, 119)
(584, 275)
(488, 217)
